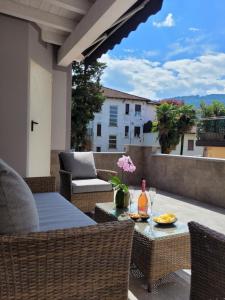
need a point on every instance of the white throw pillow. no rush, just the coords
(18, 211)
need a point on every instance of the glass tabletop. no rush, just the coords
(148, 228)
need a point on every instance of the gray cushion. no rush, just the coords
(80, 164)
(18, 212)
(55, 212)
(90, 185)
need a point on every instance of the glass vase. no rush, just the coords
(122, 199)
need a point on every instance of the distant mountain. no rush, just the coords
(196, 100)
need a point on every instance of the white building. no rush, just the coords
(124, 119)
(190, 148)
(121, 121)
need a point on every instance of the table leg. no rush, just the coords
(150, 285)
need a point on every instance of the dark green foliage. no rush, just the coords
(166, 126)
(211, 123)
(87, 99)
(173, 121)
(186, 120)
(216, 109)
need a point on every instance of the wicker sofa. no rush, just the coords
(85, 201)
(87, 261)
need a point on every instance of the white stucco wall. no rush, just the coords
(147, 113)
(13, 92)
(21, 44)
(198, 151)
(61, 108)
(150, 139)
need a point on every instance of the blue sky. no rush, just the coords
(179, 51)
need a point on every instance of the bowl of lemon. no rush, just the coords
(165, 219)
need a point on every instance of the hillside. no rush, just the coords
(195, 100)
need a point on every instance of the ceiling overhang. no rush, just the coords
(83, 29)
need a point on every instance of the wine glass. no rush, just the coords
(131, 199)
(152, 196)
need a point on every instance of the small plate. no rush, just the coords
(134, 216)
(138, 217)
(165, 224)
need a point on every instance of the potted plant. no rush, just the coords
(122, 192)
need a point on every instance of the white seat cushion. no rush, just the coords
(90, 186)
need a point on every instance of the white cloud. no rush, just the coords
(194, 29)
(190, 45)
(129, 50)
(150, 53)
(202, 75)
(168, 22)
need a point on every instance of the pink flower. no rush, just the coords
(125, 163)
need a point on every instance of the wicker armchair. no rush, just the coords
(207, 263)
(79, 263)
(85, 201)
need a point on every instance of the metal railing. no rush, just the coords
(211, 129)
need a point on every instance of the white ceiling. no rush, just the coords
(72, 24)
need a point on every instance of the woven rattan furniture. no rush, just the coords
(89, 262)
(207, 263)
(157, 251)
(85, 201)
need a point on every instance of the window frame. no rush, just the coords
(126, 132)
(192, 145)
(137, 112)
(113, 115)
(136, 135)
(127, 109)
(99, 126)
(98, 148)
(110, 141)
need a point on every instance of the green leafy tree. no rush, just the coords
(168, 134)
(216, 109)
(209, 113)
(186, 120)
(87, 99)
(173, 121)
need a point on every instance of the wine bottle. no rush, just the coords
(143, 199)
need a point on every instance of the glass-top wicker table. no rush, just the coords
(157, 251)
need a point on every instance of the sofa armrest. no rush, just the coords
(106, 174)
(41, 184)
(65, 184)
(47, 263)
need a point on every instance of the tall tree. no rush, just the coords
(173, 121)
(186, 120)
(87, 99)
(166, 127)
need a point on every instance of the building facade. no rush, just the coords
(125, 120)
(120, 122)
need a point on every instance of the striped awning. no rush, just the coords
(138, 13)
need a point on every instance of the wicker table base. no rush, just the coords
(156, 253)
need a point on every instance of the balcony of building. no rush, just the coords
(211, 132)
